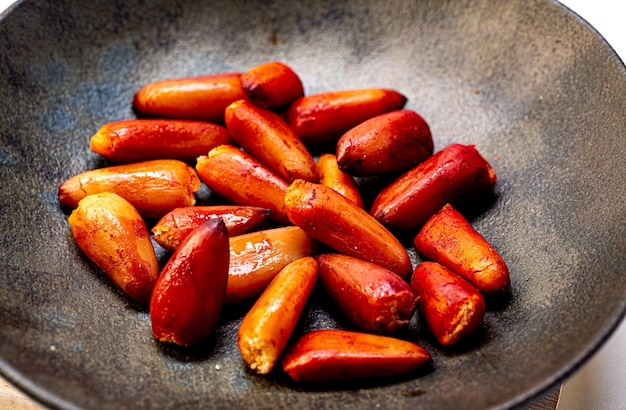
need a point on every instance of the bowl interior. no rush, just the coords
(539, 93)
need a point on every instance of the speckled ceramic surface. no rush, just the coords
(537, 91)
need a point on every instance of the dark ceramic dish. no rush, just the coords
(540, 93)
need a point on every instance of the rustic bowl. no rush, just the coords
(537, 90)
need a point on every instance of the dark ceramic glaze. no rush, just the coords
(540, 94)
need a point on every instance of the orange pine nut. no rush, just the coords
(332, 177)
(450, 175)
(203, 97)
(109, 230)
(339, 355)
(243, 180)
(273, 85)
(144, 139)
(334, 220)
(326, 116)
(257, 257)
(153, 187)
(449, 239)
(189, 294)
(370, 296)
(388, 143)
(170, 230)
(268, 325)
(268, 138)
(451, 306)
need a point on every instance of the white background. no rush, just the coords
(601, 383)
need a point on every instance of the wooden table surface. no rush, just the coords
(11, 398)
